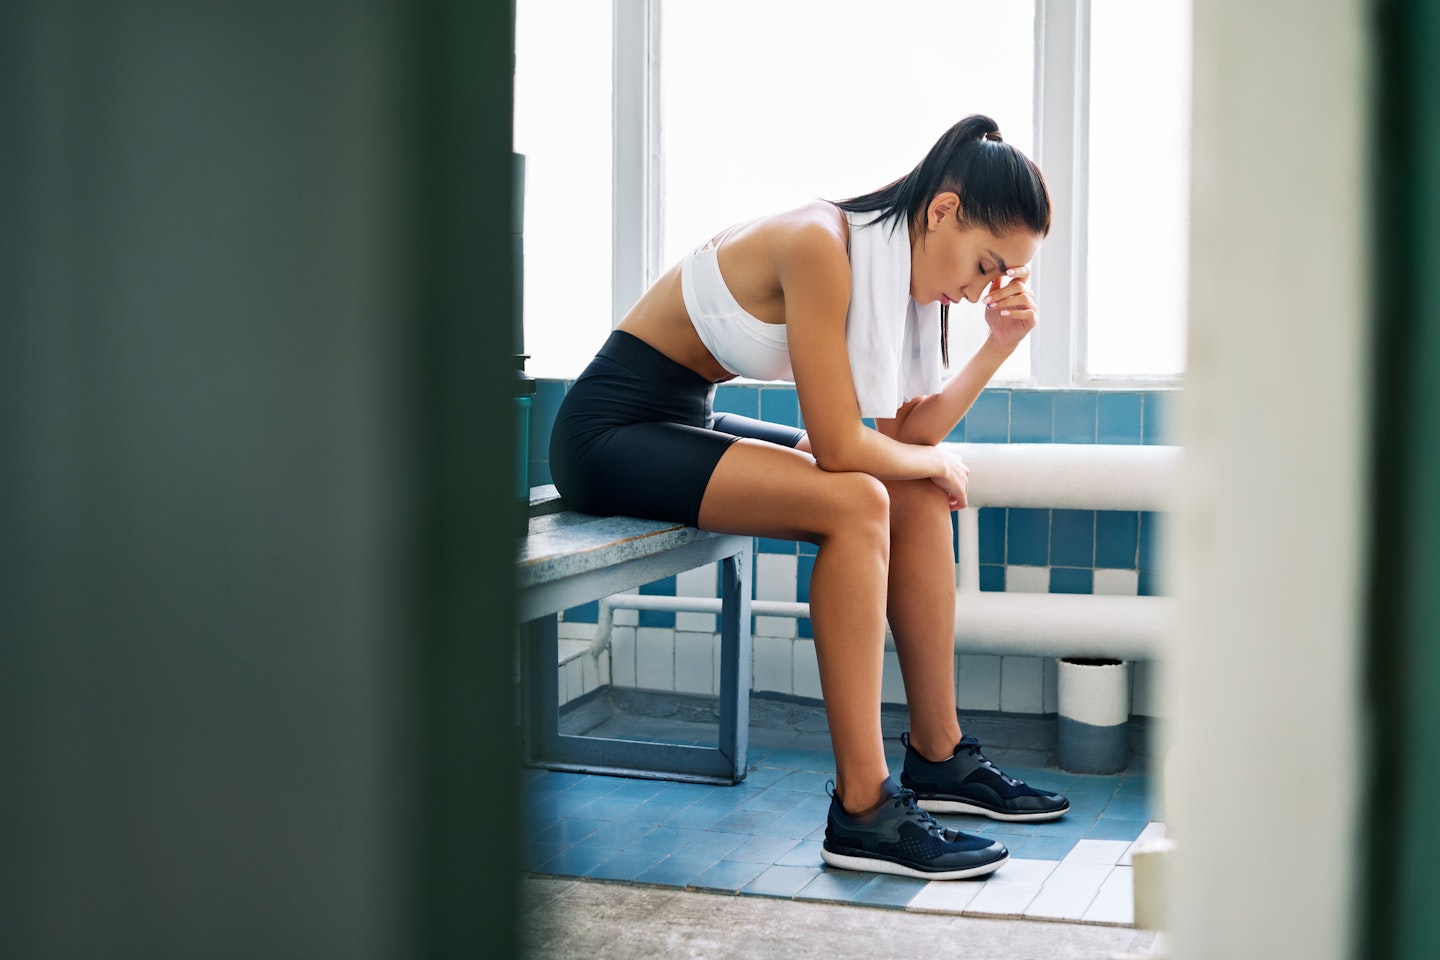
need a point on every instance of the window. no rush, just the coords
(725, 111)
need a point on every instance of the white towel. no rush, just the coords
(894, 342)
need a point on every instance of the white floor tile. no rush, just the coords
(945, 896)
(1060, 903)
(1110, 908)
(1074, 875)
(1023, 873)
(1002, 900)
(1098, 851)
(1153, 831)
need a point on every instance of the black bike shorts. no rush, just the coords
(637, 435)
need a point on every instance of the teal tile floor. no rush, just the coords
(762, 836)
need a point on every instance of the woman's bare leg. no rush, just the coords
(765, 490)
(922, 612)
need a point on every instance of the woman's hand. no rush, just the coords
(1010, 309)
(955, 478)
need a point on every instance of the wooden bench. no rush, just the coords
(571, 558)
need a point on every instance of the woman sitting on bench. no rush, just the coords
(850, 301)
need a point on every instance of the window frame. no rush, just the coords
(1061, 123)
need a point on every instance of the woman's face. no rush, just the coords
(950, 262)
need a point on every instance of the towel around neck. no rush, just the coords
(893, 342)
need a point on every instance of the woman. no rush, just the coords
(850, 301)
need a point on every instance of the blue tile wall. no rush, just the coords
(1073, 543)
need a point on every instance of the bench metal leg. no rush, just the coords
(545, 746)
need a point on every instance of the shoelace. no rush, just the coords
(970, 743)
(905, 799)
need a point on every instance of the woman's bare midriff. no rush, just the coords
(749, 263)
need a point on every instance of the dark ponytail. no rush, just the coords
(999, 187)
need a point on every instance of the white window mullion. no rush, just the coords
(1062, 94)
(638, 181)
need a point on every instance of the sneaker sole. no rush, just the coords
(873, 864)
(960, 806)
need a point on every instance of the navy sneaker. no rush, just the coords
(968, 783)
(898, 837)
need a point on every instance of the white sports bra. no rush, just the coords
(742, 344)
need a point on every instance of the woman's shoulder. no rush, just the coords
(812, 236)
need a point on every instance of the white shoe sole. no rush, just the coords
(960, 806)
(871, 865)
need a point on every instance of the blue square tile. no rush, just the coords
(577, 861)
(806, 853)
(808, 549)
(1117, 534)
(804, 570)
(992, 577)
(1118, 418)
(835, 886)
(728, 876)
(889, 891)
(714, 844)
(658, 618)
(989, 418)
(804, 629)
(780, 405)
(1075, 417)
(775, 799)
(992, 534)
(810, 782)
(1072, 580)
(1127, 808)
(1067, 826)
(1157, 410)
(1027, 537)
(1044, 848)
(1107, 829)
(1032, 415)
(591, 787)
(769, 545)
(746, 821)
(957, 432)
(766, 850)
(1151, 530)
(1147, 585)
(585, 613)
(738, 398)
(1072, 538)
(540, 473)
(568, 831)
(698, 816)
(628, 864)
(779, 881)
(793, 825)
(679, 869)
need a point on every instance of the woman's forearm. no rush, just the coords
(931, 419)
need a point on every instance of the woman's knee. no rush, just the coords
(857, 504)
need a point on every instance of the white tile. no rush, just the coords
(806, 670)
(1022, 685)
(1154, 830)
(1019, 579)
(700, 582)
(1060, 903)
(1024, 873)
(775, 575)
(773, 671)
(625, 618)
(1080, 875)
(1120, 882)
(1111, 908)
(603, 669)
(589, 673)
(1117, 583)
(654, 658)
(1051, 685)
(977, 682)
(622, 656)
(1106, 852)
(945, 896)
(574, 680)
(892, 685)
(570, 649)
(562, 692)
(1001, 900)
(694, 662)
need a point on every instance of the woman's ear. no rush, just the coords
(943, 206)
